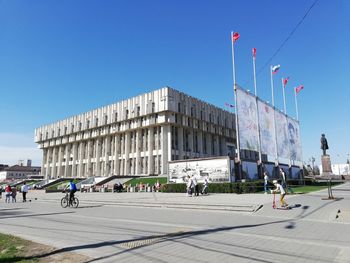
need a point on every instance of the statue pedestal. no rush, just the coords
(327, 168)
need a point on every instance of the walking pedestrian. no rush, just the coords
(1, 191)
(24, 190)
(195, 186)
(283, 178)
(8, 192)
(189, 186)
(266, 181)
(205, 187)
(14, 194)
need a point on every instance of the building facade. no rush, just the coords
(137, 136)
(17, 172)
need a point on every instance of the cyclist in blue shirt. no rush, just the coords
(72, 189)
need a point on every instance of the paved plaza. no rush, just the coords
(162, 227)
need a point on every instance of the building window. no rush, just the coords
(96, 122)
(138, 111)
(126, 114)
(72, 128)
(153, 107)
(106, 119)
(179, 107)
(88, 124)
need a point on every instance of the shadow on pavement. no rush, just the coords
(156, 239)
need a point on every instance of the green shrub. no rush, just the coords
(236, 187)
(173, 188)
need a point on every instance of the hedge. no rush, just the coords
(237, 187)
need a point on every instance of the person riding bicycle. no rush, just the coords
(72, 189)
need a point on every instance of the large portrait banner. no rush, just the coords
(267, 129)
(281, 135)
(247, 120)
(294, 140)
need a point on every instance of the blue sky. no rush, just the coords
(61, 58)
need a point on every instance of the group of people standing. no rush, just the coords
(11, 193)
(193, 186)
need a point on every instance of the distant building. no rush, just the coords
(136, 136)
(3, 166)
(26, 162)
(19, 172)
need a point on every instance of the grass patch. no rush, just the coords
(145, 180)
(308, 188)
(14, 249)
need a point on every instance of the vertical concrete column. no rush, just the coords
(150, 151)
(217, 145)
(43, 165)
(98, 156)
(180, 134)
(209, 149)
(190, 142)
(66, 167)
(81, 159)
(107, 154)
(75, 157)
(89, 156)
(122, 153)
(60, 161)
(223, 150)
(138, 152)
(166, 148)
(200, 143)
(127, 152)
(116, 154)
(54, 161)
(48, 163)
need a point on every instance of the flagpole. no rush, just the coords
(296, 103)
(259, 137)
(273, 100)
(284, 97)
(257, 108)
(254, 68)
(234, 91)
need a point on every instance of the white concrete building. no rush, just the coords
(18, 172)
(137, 136)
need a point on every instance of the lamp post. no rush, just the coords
(313, 164)
(338, 165)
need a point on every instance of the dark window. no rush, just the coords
(138, 111)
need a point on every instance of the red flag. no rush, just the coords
(254, 52)
(235, 37)
(285, 81)
(298, 89)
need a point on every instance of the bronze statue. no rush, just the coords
(324, 144)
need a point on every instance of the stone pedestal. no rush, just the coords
(326, 165)
(327, 168)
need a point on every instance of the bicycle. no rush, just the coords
(66, 202)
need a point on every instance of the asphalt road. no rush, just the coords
(131, 228)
